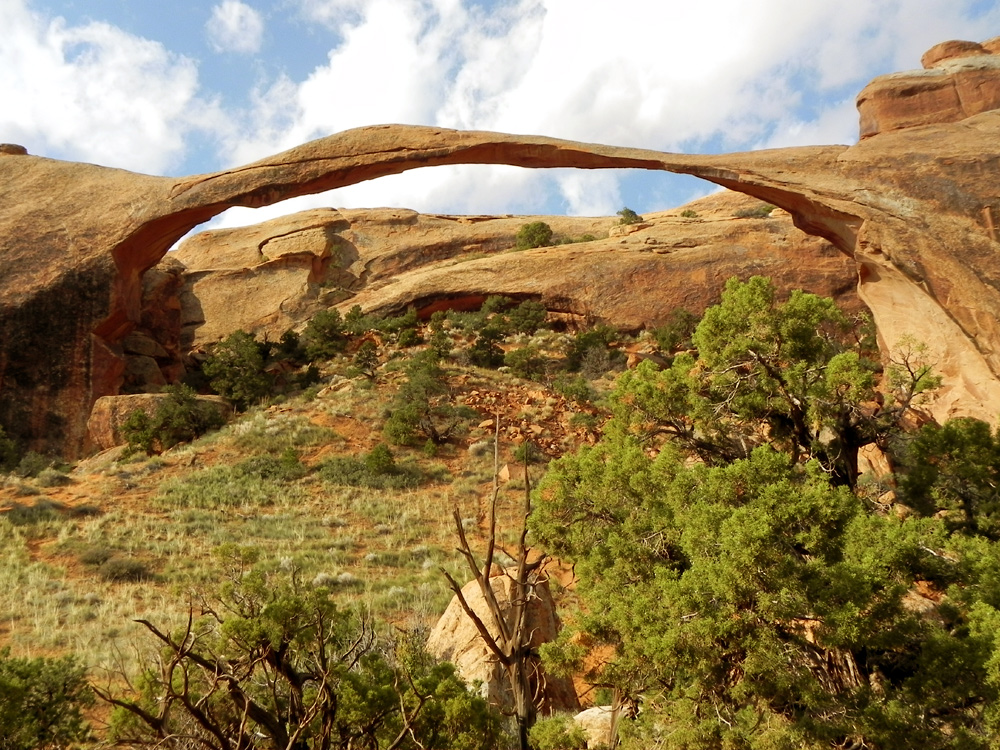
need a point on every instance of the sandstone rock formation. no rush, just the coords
(273, 276)
(455, 639)
(597, 723)
(110, 413)
(915, 207)
(960, 79)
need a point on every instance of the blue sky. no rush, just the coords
(188, 87)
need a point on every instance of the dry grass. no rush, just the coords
(165, 516)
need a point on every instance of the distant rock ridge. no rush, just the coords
(915, 205)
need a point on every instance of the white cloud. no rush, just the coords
(235, 27)
(95, 93)
(722, 74)
(725, 74)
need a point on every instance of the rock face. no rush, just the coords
(915, 207)
(456, 639)
(960, 79)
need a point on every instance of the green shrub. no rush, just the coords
(380, 460)
(235, 370)
(179, 418)
(527, 317)
(526, 362)
(9, 453)
(286, 468)
(557, 733)
(485, 350)
(32, 464)
(688, 213)
(422, 409)
(599, 337)
(676, 332)
(324, 335)
(223, 486)
(575, 388)
(628, 216)
(372, 471)
(760, 211)
(42, 701)
(535, 234)
(408, 337)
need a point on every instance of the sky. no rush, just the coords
(189, 87)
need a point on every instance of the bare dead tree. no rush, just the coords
(509, 640)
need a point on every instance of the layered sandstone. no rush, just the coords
(959, 79)
(387, 260)
(916, 208)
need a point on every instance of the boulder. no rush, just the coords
(111, 412)
(455, 639)
(597, 723)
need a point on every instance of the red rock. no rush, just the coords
(915, 205)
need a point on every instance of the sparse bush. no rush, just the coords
(760, 211)
(366, 359)
(595, 362)
(52, 477)
(235, 370)
(628, 216)
(535, 234)
(526, 362)
(558, 733)
(42, 702)
(599, 337)
(96, 555)
(9, 453)
(529, 452)
(179, 418)
(575, 388)
(315, 674)
(32, 464)
(689, 213)
(123, 570)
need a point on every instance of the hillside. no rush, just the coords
(777, 527)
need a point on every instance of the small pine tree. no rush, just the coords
(535, 234)
(628, 216)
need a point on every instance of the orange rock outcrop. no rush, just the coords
(915, 207)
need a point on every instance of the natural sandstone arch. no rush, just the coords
(912, 207)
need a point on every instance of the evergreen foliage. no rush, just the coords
(324, 335)
(235, 370)
(273, 663)
(752, 598)
(535, 234)
(422, 409)
(179, 418)
(42, 701)
(628, 216)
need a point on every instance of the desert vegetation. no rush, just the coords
(270, 582)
